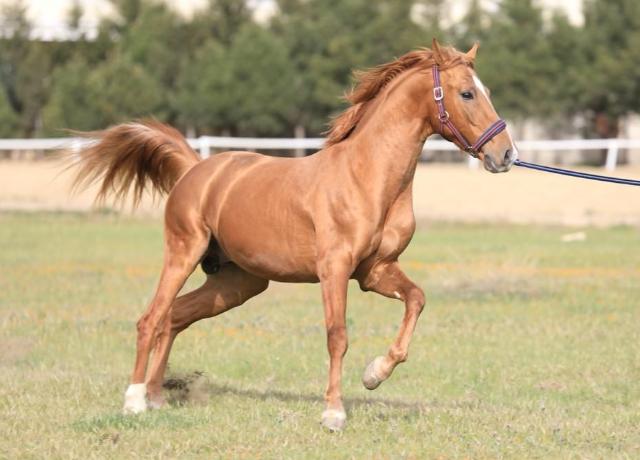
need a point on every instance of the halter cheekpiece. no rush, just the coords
(443, 116)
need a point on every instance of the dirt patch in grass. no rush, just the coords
(187, 388)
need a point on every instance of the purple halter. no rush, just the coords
(443, 115)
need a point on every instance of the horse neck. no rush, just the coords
(387, 144)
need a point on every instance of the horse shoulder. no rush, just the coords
(399, 226)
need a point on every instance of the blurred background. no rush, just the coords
(558, 70)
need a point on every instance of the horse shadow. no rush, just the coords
(197, 388)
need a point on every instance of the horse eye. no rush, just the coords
(467, 95)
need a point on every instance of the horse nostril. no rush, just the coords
(507, 156)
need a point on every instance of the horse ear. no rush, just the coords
(437, 54)
(471, 54)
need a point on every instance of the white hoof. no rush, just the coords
(134, 399)
(334, 419)
(371, 378)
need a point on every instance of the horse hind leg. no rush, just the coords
(389, 280)
(228, 287)
(183, 249)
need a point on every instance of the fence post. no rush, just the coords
(205, 147)
(299, 133)
(612, 155)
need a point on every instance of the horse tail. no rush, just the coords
(125, 157)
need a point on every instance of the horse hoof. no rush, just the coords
(134, 399)
(156, 401)
(334, 419)
(370, 378)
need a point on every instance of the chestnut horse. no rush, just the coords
(343, 213)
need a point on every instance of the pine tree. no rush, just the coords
(327, 39)
(473, 28)
(9, 121)
(245, 89)
(567, 64)
(221, 20)
(70, 105)
(202, 98)
(263, 93)
(610, 87)
(514, 60)
(152, 41)
(14, 47)
(88, 98)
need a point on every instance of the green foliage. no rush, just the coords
(610, 86)
(223, 19)
(25, 70)
(8, 118)
(245, 88)
(514, 61)
(86, 98)
(32, 84)
(202, 90)
(127, 10)
(328, 39)
(219, 71)
(70, 105)
(152, 41)
(259, 60)
(473, 28)
(13, 52)
(112, 85)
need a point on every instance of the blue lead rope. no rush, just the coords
(581, 175)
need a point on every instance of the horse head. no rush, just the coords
(463, 111)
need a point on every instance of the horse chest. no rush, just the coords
(397, 230)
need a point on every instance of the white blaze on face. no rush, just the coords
(481, 88)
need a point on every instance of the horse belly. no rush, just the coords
(261, 226)
(263, 250)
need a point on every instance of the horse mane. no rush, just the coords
(370, 83)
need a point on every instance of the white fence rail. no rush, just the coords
(205, 144)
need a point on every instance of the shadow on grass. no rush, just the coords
(196, 388)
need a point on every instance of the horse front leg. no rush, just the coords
(390, 281)
(334, 278)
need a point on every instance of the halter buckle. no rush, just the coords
(438, 93)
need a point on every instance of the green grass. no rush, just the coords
(528, 348)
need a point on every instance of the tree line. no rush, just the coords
(222, 72)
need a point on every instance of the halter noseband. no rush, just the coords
(443, 115)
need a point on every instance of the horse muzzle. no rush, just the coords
(508, 158)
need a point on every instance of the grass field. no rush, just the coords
(528, 348)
